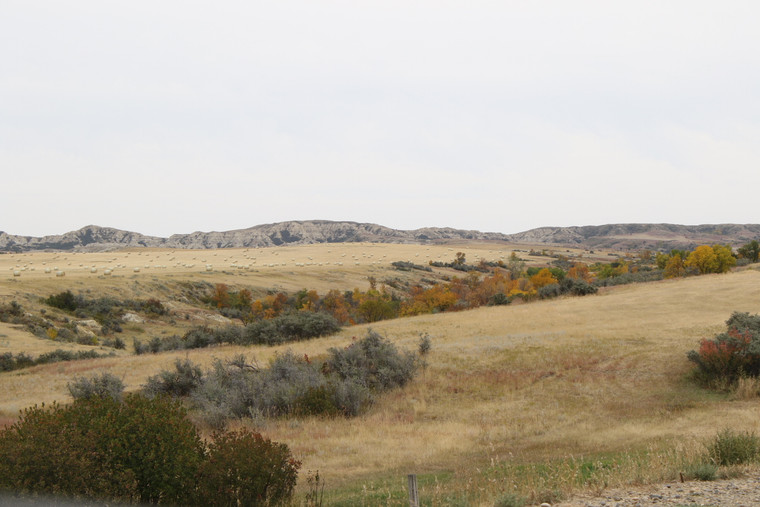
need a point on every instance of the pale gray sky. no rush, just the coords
(175, 116)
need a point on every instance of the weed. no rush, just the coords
(731, 448)
(702, 471)
(509, 500)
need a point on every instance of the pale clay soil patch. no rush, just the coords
(741, 492)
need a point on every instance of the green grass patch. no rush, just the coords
(433, 489)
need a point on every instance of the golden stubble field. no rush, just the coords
(542, 381)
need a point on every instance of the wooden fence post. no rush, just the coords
(414, 500)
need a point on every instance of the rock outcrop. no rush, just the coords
(612, 236)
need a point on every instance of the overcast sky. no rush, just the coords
(166, 117)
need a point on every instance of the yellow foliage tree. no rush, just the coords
(438, 298)
(542, 278)
(674, 267)
(703, 259)
(725, 257)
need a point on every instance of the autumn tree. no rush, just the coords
(335, 304)
(244, 299)
(307, 300)
(661, 259)
(542, 278)
(438, 298)
(498, 282)
(617, 268)
(580, 271)
(711, 259)
(375, 305)
(674, 267)
(725, 257)
(703, 259)
(221, 296)
(515, 266)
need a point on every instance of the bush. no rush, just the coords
(350, 397)
(152, 306)
(140, 347)
(293, 326)
(316, 401)
(549, 291)
(577, 287)
(243, 468)
(198, 338)
(227, 390)
(103, 385)
(139, 450)
(9, 311)
(373, 362)
(180, 382)
(729, 448)
(626, 278)
(63, 301)
(499, 299)
(424, 344)
(9, 362)
(732, 354)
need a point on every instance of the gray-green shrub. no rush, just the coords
(344, 384)
(182, 381)
(105, 384)
(373, 362)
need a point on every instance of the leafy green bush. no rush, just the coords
(139, 450)
(243, 468)
(730, 448)
(105, 384)
(732, 354)
(63, 301)
(316, 401)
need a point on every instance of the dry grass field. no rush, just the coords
(540, 399)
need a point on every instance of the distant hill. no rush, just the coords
(641, 236)
(614, 236)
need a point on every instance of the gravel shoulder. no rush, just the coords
(741, 492)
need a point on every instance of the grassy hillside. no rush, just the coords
(540, 399)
